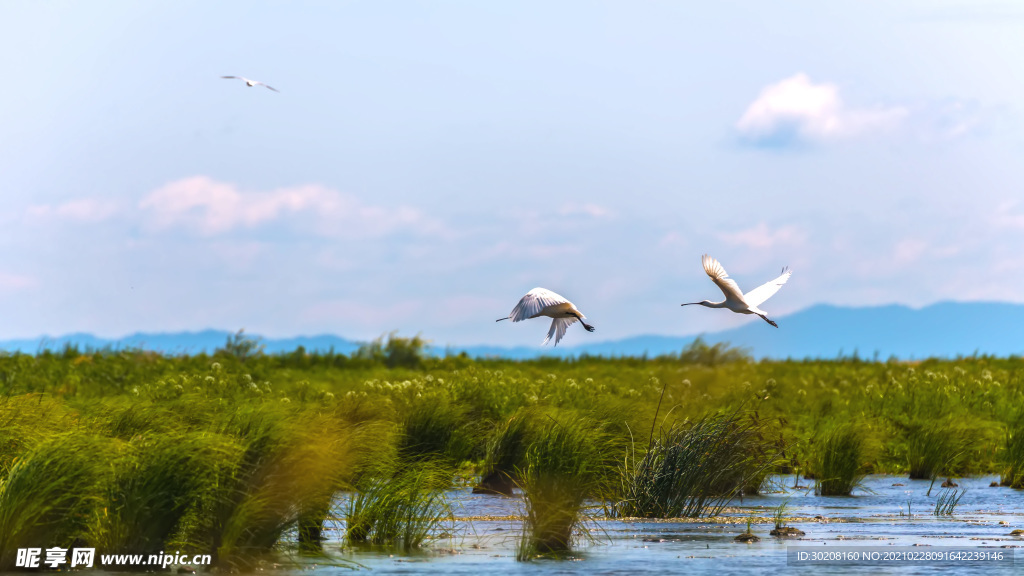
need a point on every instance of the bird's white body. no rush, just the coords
(251, 83)
(735, 299)
(542, 302)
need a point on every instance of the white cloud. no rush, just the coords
(673, 240)
(909, 250)
(1007, 215)
(211, 207)
(949, 120)
(80, 210)
(16, 281)
(592, 210)
(797, 110)
(761, 236)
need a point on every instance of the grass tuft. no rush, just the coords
(399, 511)
(1013, 456)
(948, 501)
(50, 494)
(568, 461)
(155, 482)
(934, 449)
(837, 461)
(696, 468)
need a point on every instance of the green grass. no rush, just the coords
(696, 468)
(948, 500)
(838, 460)
(435, 430)
(1012, 457)
(51, 494)
(154, 484)
(288, 464)
(506, 450)
(779, 515)
(240, 454)
(939, 448)
(400, 511)
(567, 461)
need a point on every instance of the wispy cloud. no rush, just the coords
(761, 236)
(79, 210)
(954, 119)
(16, 281)
(590, 210)
(796, 111)
(210, 207)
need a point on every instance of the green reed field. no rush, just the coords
(241, 454)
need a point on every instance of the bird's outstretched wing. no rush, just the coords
(721, 277)
(765, 291)
(535, 301)
(268, 86)
(558, 328)
(235, 77)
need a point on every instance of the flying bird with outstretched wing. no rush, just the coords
(735, 299)
(251, 83)
(542, 302)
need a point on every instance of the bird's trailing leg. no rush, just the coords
(768, 321)
(588, 327)
(500, 319)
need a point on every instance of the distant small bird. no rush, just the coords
(251, 83)
(542, 302)
(736, 300)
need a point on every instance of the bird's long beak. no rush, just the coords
(690, 304)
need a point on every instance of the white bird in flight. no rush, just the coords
(251, 83)
(736, 300)
(542, 302)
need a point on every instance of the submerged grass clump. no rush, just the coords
(696, 468)
(935, 449)
(838, 461)
(948, 500)
(287, 466)
(568, 461)
(400, 511)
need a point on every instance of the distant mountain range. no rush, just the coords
(946, 329)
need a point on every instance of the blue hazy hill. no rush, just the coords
(177, 342)
(946, 329)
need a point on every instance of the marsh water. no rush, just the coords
(485, 536)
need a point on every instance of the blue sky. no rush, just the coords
(427, 163)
